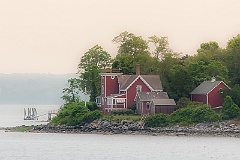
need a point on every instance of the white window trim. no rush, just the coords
(139, 88)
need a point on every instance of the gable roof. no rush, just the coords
(206, 86)
(148, 96)
(169, 102)
(152, 81)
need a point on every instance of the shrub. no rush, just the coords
(122, 112)
(157, 120)
(183, 102)
(190, 115)
(91, 116)
(133, 108)
(204, 113)
(182, 115)
(91, 106)
(230, 109)
(75, 114)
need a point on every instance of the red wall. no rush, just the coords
(131, 92)
(214, 100)
(199, 98)
(111, 85)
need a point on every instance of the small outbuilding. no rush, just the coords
(208, 92)
(154, 103)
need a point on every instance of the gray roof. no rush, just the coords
(152, 80)
(169, 102)
(205, 87)
(148, 96)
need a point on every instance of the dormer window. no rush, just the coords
(139, 88)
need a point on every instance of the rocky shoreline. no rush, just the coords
(129, 127)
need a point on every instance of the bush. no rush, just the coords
(190, 115)
(157, 120)
(122, 112)
(183, 102)
(91, 106)
(91, 116)
(183, 115)
(230, 109)
(75, 114)
(204, 113)
(133, 108)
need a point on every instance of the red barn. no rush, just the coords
(208, 92)
(119, 91)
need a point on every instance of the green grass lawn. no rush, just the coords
(22, 128)
(124, 117)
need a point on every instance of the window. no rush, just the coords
(111, 101)
(98, 100)
(220, 91)
(139, 88)
(120, 100)
(147, 105)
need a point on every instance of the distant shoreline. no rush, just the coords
(129, 127)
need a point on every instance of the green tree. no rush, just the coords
(71, 93)
(205, 70)
(229, 109)
(161, 46)
(233, 59)
(210, 46)
(181, 83)
(90, 66)
(131, 44)
(233, 92)
(132, 50)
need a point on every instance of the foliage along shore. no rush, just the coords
(130, 127)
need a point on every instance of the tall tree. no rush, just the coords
(181, 82)
(131, 44)
(233, 59)
(205, 70)
(71, 93)
(132, 50)
(90, 66)
(161, 46)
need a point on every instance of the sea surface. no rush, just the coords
(50, 146)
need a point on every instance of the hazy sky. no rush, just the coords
(50, 36)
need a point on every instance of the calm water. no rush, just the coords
(12, 115)
(109, 147)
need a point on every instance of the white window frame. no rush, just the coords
(139, 88)
(109, 101)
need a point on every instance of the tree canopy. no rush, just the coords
(90, 66)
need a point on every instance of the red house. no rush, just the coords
(208, 92)
(119, 91)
